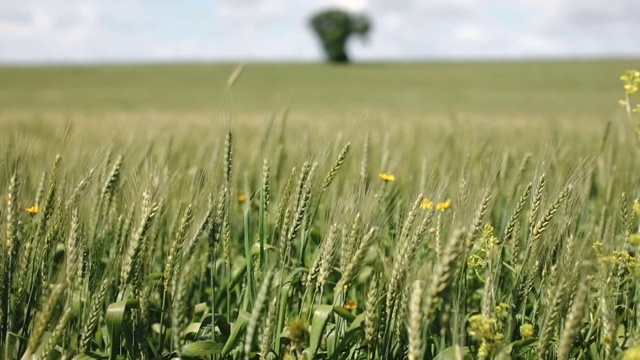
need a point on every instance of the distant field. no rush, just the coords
(520, 88)
(522, 96)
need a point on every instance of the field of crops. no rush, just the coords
(304, 211)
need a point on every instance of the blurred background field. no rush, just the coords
(543, 88)
(549, 100)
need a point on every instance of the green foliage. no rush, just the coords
(334, 27)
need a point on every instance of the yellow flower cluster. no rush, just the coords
(426, 204)
(502, 312)
(351, 305)
(484, 329)
(487, 243)
(441, 206)
(33, 210)
(488, 240)
(597, 246)
(526, 331)
(632, 353)
(636, 206)
(298, 333)
(475, 261)
(634, 239)
(622, 259)
(631, 81)
(387, 177)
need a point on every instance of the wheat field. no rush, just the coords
(303, 211)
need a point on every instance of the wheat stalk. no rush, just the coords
(178, 241)
(519, 174)
(328, 255)
(364, 164)
(228, 157)
(11, 246)
(415, 321)
(268, 328)
(511, 224)
(42, 320)
(131, 260)
(535, 204)
(91, 325)
(476, 224)
(542, 224)
(555, 295)
(356, 260)
(73, 251)
(256, 313)
(442, 275)
(403, 254)
(350, 243)
(574, 318)
(372, 315)
(336, 166)
(56, 334)
(266, 184)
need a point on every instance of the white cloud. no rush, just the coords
(470, 33)
(350, 5)
(93, 30)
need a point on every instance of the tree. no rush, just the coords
(334, 27)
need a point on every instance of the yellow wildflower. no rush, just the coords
(631, 80)
(351, 305)
(432, 230)
(242, 198)
(426, 204)
(636, 206)
(475, 261)
(485, 350)
(482, 328)
(622, 259)
(526, 331)
(487, 241)
(631, 89)
(33, 210)
(632, 353)
(597, 246)
(387, 177)
(622, 102)
(299, 333)
(634, 239)
(502, 311)
(443, 206)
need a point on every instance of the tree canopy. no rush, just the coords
(334, 27)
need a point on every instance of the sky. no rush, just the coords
(98, 31)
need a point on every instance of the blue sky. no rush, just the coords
(90, 31)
